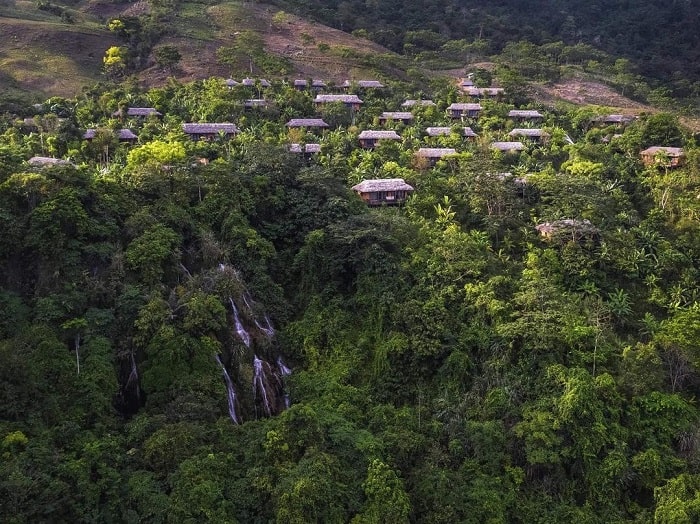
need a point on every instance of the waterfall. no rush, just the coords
(284, 370)
(260, 384)
(242, 333)
(267, 328)
(133, 379)
(230, 392)
(245, 297)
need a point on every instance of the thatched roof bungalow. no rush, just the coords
(389, 191)
(663, 156)
(209, 131)
(369, 138)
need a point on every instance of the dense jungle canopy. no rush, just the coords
(222, 331)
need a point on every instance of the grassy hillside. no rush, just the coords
(50, 56)
(42, 53)
(57, 50)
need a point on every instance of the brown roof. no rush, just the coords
(301, 82)
(386, 184)
(308, 148)
(615, 119)
(485, 91)
(209, 128)
(122, 134)
(249, 82)
(670, 151)
(443, 131)
(508, 146)
(255, 102)
(396, 115)
(388, 135)
(138, 111)
(435, 152)
(306, 122)
(528, 132)
(461, 106)
(346, 99)
(412, 103)
(524, 113)
(581, 227)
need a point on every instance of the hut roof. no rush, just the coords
(670, 151)
(615, 119)
(524, 113)
(306, 122)
(209, 128)
(579, 227)
(346, 99)
(307, 148)
(385, 184)
(528, 132)
(507, 146)
(370, 134)
(396, 115)
(412, 103)
(138, 111)
(443, 131)
(435, 152)
(462, 106)
(485, 91)
(250, 82)
(122, 134)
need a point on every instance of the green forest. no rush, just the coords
(223, 331)
(661, 37)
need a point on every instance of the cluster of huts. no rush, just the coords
(384, 191)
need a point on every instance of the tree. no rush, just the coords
(678, 501)
(387, 500)
(115, 61)
(167, 57)
(247, 47)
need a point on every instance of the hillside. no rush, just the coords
(48, 56)
(58, 50)
(659, 37)
(40, 53)
(413, 302)
(201, 323)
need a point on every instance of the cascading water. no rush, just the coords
(261, 384)
(284, 372)
(245, 298)
(242, 333)
(134, 378)
(230, 392)
(255, 329)
(267, 328)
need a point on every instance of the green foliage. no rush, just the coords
(147, 253)
(386, 499)
(449, 362)
(167, 56)
(115, 61)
